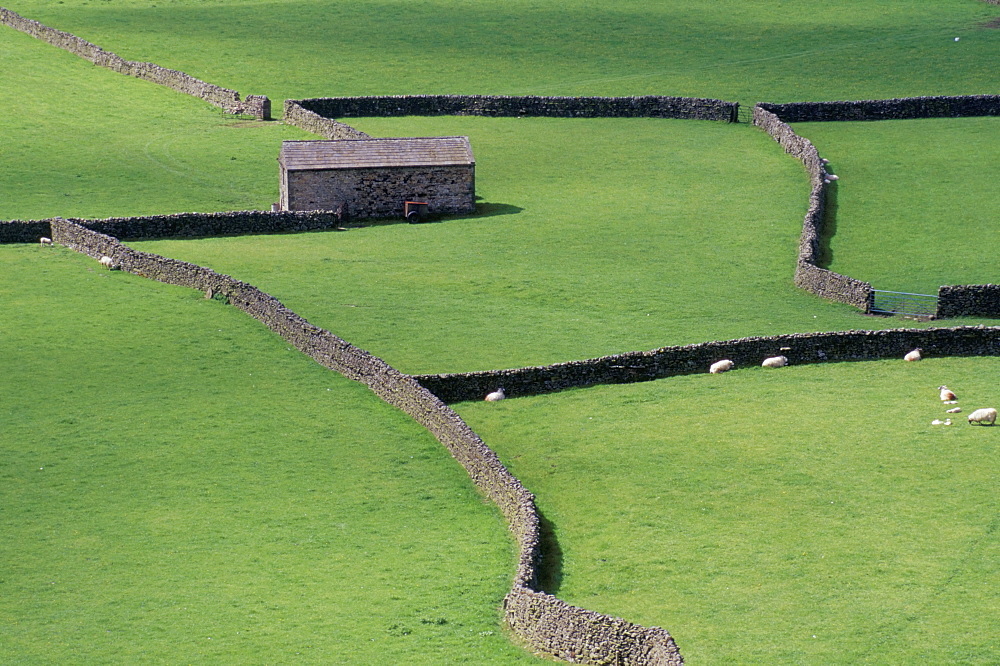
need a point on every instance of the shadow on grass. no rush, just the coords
(484, 209)
(829, 230)
(550, 572)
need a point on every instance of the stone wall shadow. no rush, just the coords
(824, 256)
(550, 566)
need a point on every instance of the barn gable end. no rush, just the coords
(375, 177)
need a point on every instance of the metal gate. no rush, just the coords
(902, 303)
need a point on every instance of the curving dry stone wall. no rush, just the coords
(808, 275)
(545, 624)
(258, 106)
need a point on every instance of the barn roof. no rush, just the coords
(362, 153)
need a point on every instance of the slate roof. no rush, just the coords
(363, 153)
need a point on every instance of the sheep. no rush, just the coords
(775, 362)
(948, 396)
(983, 416)
(913, 355)
(954, 410)
(107, 262)
(721, 366)
(45, 241)
(496, 396)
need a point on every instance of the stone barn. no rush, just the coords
(378, 177)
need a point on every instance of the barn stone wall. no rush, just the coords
(650, 106)
(544, 623)
(382, 191)
(229, 100)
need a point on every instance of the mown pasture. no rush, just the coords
(132, 148)
(807, 514)
(773, 51)
(180, 486)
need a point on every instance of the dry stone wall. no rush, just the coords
(545, 624)
(693, 359)
(229, 100)
(888, 109)
(971, 300)
(515, 106)
(180, 225)
(808, 275)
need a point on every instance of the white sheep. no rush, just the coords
(913, 355)
(953, 410)
(983, 416)
(45, 241)
(496, 396)
(948, 396)
(107, 262)
(775, 362)
(721, 366)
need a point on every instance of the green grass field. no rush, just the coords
(179, 485)
(804, 515)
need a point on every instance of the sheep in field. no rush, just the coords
(721, 366)
(987, 415)
(496, 396)
(45, 241)
(775, 362)
(913, 355)
(948, 396)
(107, 262)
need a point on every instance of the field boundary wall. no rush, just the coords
(507, 106)
(799, 348)
(181, 225)
(953, 301)
(546, 624)
(258, 106)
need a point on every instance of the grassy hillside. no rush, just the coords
(805, 515)
(748, 52)
(914, 207)
(178, 486)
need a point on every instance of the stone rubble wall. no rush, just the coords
(181, 225)
(970, 300)
(228, 100)
(799, 348)
(906, 108)
(808, 275)
(545, 624)
(310, 121)
(649, 106)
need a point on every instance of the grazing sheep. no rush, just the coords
(721, 366)
(948, 396)
(983, 416)
(775, 362)
(496, 395)
(45, 241)
(107, 262)
(913, 355)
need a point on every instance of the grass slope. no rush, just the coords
(766, 51)
(596, 238)
(176, 485)
(807, 515)
(914, 209)
(93, 143)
